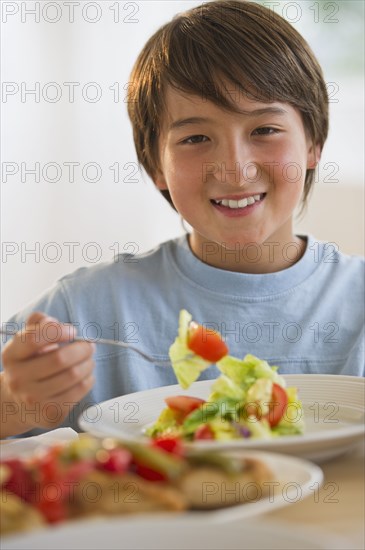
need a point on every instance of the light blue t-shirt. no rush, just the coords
(308, 318)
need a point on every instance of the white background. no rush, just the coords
(99, 43)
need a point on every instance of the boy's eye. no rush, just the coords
(265, 131)
(195, 139)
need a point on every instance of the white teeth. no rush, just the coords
(238, 204)
(242, 203)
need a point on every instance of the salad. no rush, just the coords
(91, 476)
(248, 400)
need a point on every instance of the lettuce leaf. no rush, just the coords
(245, 372)
(224, 409)
(186, 364)
(224, 387)
(165, 424)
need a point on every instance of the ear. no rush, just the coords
(160, 182)
(314, 156)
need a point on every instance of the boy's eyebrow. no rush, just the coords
(256, 112)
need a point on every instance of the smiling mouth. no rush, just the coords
(242, 203)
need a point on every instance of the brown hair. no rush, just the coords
(241, 43)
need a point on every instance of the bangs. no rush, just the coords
(219, 60)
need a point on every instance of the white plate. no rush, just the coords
(295, 479)
(186, 534)
(333, 410)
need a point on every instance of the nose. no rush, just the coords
(236, 166)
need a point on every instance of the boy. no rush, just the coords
(230, 113)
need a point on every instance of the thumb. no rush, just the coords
(41, 333)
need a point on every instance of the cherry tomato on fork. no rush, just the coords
(206, 342)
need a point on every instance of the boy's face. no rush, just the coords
(208, 155)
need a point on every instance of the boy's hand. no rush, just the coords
(42, 378)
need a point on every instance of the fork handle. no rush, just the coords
(106, 341)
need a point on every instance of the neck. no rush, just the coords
(267, 257)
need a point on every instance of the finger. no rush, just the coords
(36, 317)
(62, 359)
(46, 324)
(45, 366)
(38, 336)
(60, 383)
(77, 392)
(64, 403)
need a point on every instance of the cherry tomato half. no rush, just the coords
(116, 461)
(169, 444)
(149, 473)
(20, 480)
(204, 432)
(184, 403)
(277, 406)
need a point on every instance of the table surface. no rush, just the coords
(336, 508)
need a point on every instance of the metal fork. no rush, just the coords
(119, 343)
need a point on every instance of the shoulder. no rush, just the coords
(337, 277)
(129, 265)
(116, 291)
(331, 259)
(126, 270)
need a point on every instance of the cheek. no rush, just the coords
(183, 176)
(293, 175)
(290, 167)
